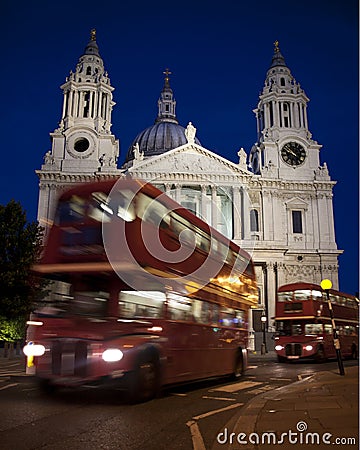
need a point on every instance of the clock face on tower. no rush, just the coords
(293, 154)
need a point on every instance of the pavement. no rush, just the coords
(12, 367)
(313, 413)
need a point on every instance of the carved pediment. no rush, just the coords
(189, 158)
(296, 203)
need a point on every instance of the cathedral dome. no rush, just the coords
(166, 133)
(159, 138)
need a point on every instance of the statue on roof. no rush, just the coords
(190, 133)
(138, 155)
(242, 158)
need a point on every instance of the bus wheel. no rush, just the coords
(320, 355)
(238, 366)
(145, 381)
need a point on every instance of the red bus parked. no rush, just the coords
(303, 323)
(144, 293)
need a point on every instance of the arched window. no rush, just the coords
(254, 220)
(88, 70)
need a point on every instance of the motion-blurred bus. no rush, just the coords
(303, 323)
(144, 293)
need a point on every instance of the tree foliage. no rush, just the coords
(20, 247)
(12, 330)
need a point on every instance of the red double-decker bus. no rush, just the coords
(304, 327)
(144, 293)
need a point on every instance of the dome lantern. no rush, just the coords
(166, 133)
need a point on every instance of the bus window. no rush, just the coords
(316, 295)
(302, 294)
(222, 251)
(215, 314)
(98, 207)
(202, 240)
(71, 211)
(239, 320)
(134, 304)
(179, 307)
(283, 328)
(152, 211)
(124, 205)
(89, 303)
(231, 257)
(200, 311)
(183, 229)
(328, 329)
(313, 328)
(230, 317)
(296, 329)
(350, 330)
(243, 265)
(284, 296)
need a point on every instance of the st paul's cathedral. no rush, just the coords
(276, 202)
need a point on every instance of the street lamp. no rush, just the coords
(263, 326)
(326, 286)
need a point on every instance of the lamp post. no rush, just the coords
(326, 286)
(263, 326)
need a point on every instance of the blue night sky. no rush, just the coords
(218, 53)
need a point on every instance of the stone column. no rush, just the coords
(75, 103)
(168, 189)
(203, 203)
(276, 113)
(292, 116)
(305, 117)
(246, 221)
(301, 112)
(65, 104)
(271, 292)
(70, 104)
(91, 95)
(43, 204)
(214, 206)
(81, 103)
(266, 116)
(267, 216)
(236, 212)
(178, 192)
(330, 216)
(281, 113)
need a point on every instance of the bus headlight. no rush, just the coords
(32, 349)
(278, 347)
(112, 355)
(308, 348)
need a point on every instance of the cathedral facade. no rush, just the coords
(276, 202)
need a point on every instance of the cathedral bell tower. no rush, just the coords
(284, 147)
(82, 147)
